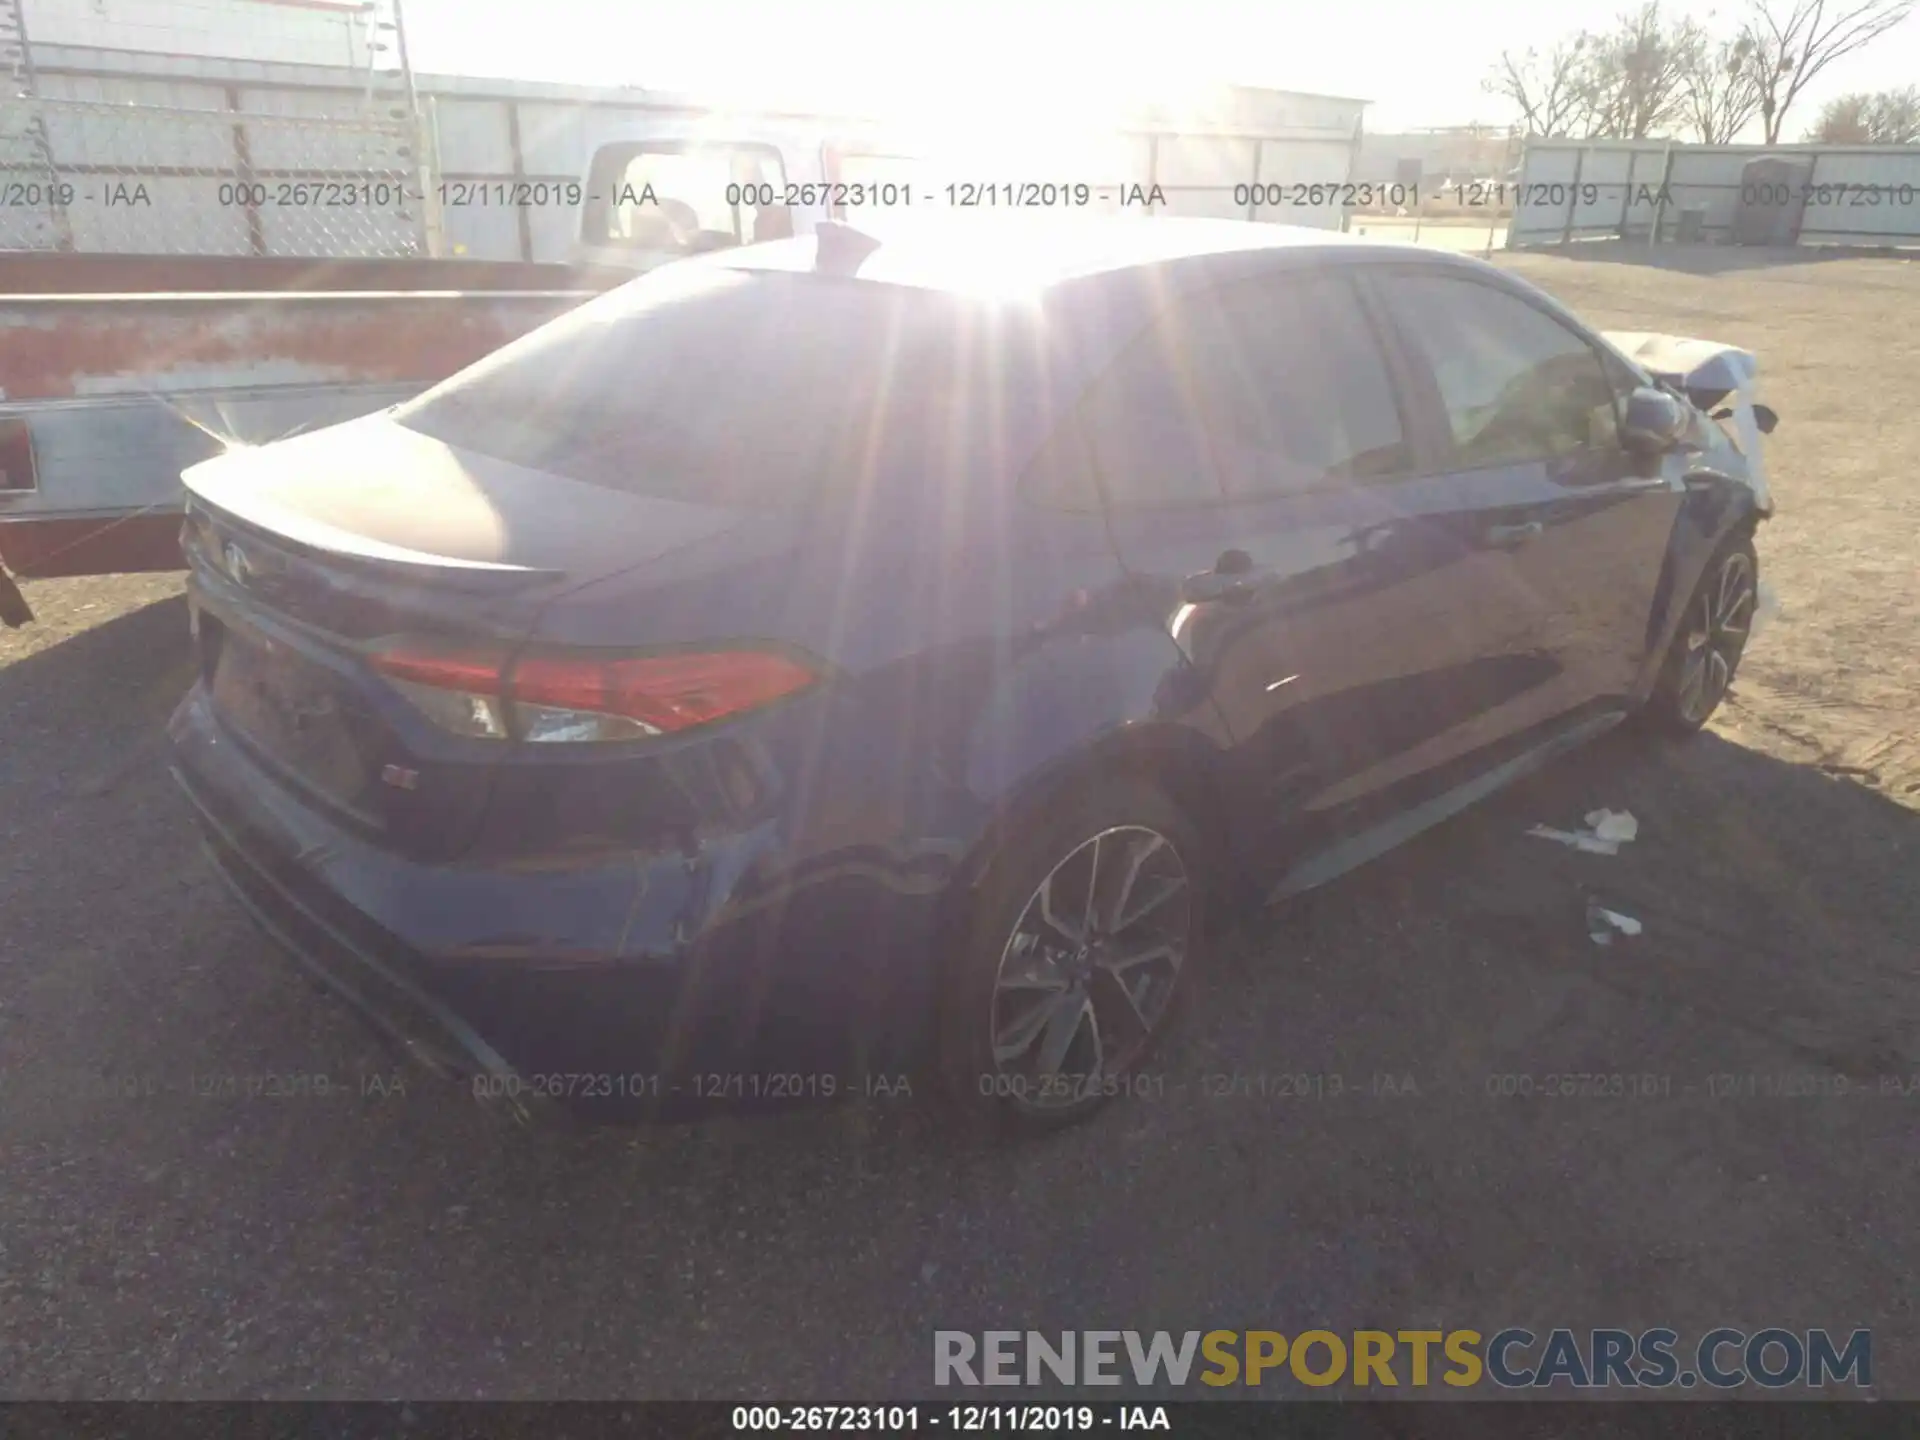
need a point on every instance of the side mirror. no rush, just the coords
(1654, 423)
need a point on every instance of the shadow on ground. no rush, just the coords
(89, 709)
(1353, 1127)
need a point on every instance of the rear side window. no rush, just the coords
(1302, 395)
(1258, 388)
(1144, 422)
(1517, 384)
(705, 383)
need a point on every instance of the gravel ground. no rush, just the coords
(162, 1239)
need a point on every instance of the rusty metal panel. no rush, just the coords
(54, 347)
(127, 451)
(120, 392)
(56, 274)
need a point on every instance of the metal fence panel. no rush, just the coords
(1639, 190)
(1863, 197)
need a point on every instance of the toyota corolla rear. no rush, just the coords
(519, 716)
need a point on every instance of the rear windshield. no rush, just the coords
(762, 389)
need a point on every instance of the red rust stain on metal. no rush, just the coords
(46, 549)
(48, 273)
(51, 355)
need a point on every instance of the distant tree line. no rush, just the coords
(1650, 75)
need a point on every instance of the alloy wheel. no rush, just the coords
(1716, 635)
(1090, 968)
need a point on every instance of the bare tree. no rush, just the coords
(1843, 120)
(1631, 78)
(1792, 41)
(1545, 88)
(1891, 117)
(1718, 88)
(1894, 117)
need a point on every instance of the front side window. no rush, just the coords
(1516, 383)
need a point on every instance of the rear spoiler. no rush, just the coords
(210, 498)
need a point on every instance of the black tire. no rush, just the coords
(1089, 840)
(1706, 650)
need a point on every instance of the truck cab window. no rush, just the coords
(693, 198)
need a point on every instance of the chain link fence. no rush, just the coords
(132, 164)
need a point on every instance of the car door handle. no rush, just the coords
(1508, 537)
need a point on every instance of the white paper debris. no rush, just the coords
(1607, 831)
(1602, 922)
(1578, 839)
(1616, 825)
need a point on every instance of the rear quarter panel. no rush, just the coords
(969, 651)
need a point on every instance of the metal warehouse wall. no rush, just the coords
(300, 32)
(1590, 189)
(188, 127)
(493, 130)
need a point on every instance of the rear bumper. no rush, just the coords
(691, 1000)
(418, 1024)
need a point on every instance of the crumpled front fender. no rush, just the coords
(1714, 376)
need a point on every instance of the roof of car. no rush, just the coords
(1028, 252)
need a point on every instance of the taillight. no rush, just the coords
(571, 696)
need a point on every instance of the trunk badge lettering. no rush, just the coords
(400, 777)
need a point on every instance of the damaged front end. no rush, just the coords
(1719, 381)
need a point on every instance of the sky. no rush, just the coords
(1420, 63)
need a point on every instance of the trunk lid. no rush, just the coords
(375, 494)
(306, 553)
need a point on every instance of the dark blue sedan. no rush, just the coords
(839, 658)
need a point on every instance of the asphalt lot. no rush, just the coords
(180, 1241)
